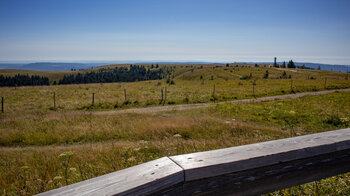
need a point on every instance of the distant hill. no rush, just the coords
(49, 66)
(54, 66)
(328, 67)
(339, 68)
(58, 66)
(180, 63)
(10, 66)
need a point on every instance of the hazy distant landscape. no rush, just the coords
(51, 66)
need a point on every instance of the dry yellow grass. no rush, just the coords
(188, 88)
(32, 136)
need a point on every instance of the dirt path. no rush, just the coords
(203, 105)
(284, 69)
(296, 70)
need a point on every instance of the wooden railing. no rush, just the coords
(242, 170)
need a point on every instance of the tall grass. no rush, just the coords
(35, 157)
(188, 88)
(42, 147)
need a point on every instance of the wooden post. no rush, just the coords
(214, 93)
(253, 90)
(325, 83)
(2, 104)
(54, 99)
(164, 95)
(291, 85)
(124, 94)
(254, 83)
(93, 98)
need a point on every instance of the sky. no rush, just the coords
(175, 30)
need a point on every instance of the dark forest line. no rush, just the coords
(118, 74)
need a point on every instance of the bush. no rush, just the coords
(337, 121)
(284, 75)
(266, 75)
(246, 77)
(213, 98)
(186, 100)
(170, 81)
(127, 102)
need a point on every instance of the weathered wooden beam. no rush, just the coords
(218, 162)
(266, 179)
(143, 179)
(244, 170)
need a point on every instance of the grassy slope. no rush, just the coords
(188, 88)
(103, 144)
(32, 136)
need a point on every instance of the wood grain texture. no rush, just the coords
(223, 161)
(143, 179)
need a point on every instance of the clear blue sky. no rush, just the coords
(175, 30)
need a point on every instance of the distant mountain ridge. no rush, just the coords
(338, 68)
(65, 66)
(49, 66)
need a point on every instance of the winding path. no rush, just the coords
(203, 105)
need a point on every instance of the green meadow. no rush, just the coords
(45, 147)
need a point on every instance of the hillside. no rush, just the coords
(49, 66)
(104, 127)
(179, 70)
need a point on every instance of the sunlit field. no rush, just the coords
(43, 147)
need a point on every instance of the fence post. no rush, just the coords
(93, 98)
(54, 99)
(254, 83)
(124, 94)
(214, 93)
(164, 95)
(2, 104)
(291, 85)
(325, 82)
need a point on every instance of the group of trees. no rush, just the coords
(284, 76)
(290, 64)
(119, 74)
(23, 80)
